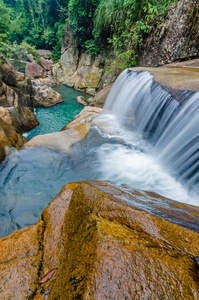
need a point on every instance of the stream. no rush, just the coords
(153, 146)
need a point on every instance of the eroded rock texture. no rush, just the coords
(104, 242)
(176, 38)
(16, 104)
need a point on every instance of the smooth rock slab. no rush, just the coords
(102, 245)
(173, 77)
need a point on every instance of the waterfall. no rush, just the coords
(171, 127)
(144, 138)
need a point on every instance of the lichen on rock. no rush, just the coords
(103, 247)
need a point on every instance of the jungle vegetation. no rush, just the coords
(113, 26)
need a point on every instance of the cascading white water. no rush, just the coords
(145, 138)
(171, 127)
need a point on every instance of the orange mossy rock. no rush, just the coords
(105, 242)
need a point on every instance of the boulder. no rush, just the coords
(45, 64)
(20, 76)
(48, 81)
(45, 96)
(7, 75)
(90, 101)
(79, 71)
(68, 67)
(34, 70)
(45, 53)
(88, 74)
(101, 241)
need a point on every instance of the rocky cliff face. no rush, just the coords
(99, 245)
(176, 38)
(16, 104)
(79, 71)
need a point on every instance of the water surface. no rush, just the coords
(154, 146)
(54, 118)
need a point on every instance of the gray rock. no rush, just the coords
(81, 100)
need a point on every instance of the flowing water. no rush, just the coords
(151, 142)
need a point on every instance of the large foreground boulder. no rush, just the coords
(101, 241)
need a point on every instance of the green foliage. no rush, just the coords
(116, 26)
(34, 21)
(80, 19)
(92, 47)
(125, 23)
(17, 55)
(26, 48)
(4, 22)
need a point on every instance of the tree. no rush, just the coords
(4, 22)
(80, 18)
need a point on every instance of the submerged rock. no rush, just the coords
(103, 242)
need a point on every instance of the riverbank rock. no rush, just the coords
(100, 97)
(75, 131)
(45, 64)
(102, 241)
(16, 105)
(45, 96)
(9, 137)
(48, 81)
(81, 100)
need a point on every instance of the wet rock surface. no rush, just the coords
(175, 77)
(75, 131)
(103, 242)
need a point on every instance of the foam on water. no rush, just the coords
(150, 142)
